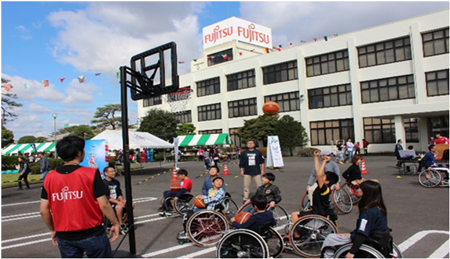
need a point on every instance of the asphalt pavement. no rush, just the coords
(418, 216)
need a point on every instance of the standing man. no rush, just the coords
(45, 165)
(398, 147)
(350, 150)
(72, 202)
(252, 167)
(206, 157)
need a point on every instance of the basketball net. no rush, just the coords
(178, 100)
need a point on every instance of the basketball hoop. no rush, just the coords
(178, 99)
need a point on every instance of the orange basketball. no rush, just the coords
(175, 187)
(242, 217)
(270, 108)
(199, 203)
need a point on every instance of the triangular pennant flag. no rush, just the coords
(335, 35)
(291, 44)
(315, 39)
(225, 56)
(303, 41)
(7, 87)
(266, 50)
(97, 74)
(81, 79)
(279, 46)
(26, 85)
(45, 83)
(62, 79)
(240, 53)
(195, 60)
(118, 74)
(325, 38)
(210, 57)
(181, 62)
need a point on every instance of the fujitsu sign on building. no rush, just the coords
(236, 29)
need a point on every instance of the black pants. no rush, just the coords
(23, 176)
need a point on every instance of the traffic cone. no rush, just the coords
(174, 175)
(225, 169)
(363, 167)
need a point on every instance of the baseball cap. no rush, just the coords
(325, 153)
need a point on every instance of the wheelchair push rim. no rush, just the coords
(206, 227)
(242, 243)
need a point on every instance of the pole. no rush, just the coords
(126, 161)
(56, 152)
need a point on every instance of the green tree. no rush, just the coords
(26, 139)
(291, 133)
(7, 137)
(40, 140)
(160, 123)
(106, 116)
(8, 104)
(83, 131)
(185, 129)
(258, 128)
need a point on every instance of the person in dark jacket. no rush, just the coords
(260, 219)
(269, 190)
(45, 165)
(353, 172)
(252, 167)
(24, 170)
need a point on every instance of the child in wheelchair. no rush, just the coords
(208, 183)
(321, 195)
(258, 220)
(371, 225)
(186, 186)
(213, 201)
(353, 174)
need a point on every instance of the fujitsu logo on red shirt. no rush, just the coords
(66, 194)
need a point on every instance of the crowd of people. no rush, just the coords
(346, 151)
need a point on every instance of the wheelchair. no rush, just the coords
(434, 177)
(279, 213)
(344, 198)
(180, 206)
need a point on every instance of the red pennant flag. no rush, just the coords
(291, 44)
(266, 50)
(225, 56)
(210, 57)
(315, 39)
(45, 83)
(62, 79)
(81, 79)
(7, 87)
(279, 49)
(240, 53)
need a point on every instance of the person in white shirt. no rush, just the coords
(350, 150)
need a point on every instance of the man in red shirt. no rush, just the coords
(73, 199)
(365, 146)
(186, 186)
(440, 139)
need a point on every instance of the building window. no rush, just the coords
(287, 101)
(209, 112)
(240, 108)
(208, 87)
(183, 117)
(220, 57)
(280, 72)
(214, 131)
(388, 89)
(437, 82)
(411, 129)
(327, 63)
(235, 138)
(329, 132)
(438, 124)
(152, 101)
(384, 52)
(435, 42)
(241, 80)
(331, 96)
(379, 130)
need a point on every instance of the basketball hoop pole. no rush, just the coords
(126, 161)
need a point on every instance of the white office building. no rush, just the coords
(382, 83)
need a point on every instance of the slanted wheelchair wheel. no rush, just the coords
(306, 236)
(230, 208)
(242, 243)
(184, 203)
(206, 227)
(342, 200)
(280, 215)
(365, 251)
(274, 242)
(430, 178)
(306, 205)
(246, 207)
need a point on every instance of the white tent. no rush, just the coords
(136, 140)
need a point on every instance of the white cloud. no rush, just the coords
(38, 108)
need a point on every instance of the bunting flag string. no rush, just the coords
(7, 87)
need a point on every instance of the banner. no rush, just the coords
(95, 155)
(274, 156)
(175, 146)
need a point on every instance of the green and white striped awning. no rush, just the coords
(204, 140)
(14, 149)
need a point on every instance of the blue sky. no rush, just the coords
(51, 40)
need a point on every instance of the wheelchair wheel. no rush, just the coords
(230, 208)
(245, 207)
(396, 253)
(342, 200)
(184, 203)
(305, 202)
(206, 227)
(242, 243)
(430, 178)
(306, 236)
(274, 242)
(365, 251)
(280, 215)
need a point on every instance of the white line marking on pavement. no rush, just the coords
(22, 238)
(19, 218)
(26, 243)
(416, 237)
(19, 203)
(168, 250)
(204, 251)
(147, 216)
(441, 252)
(18, 215)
